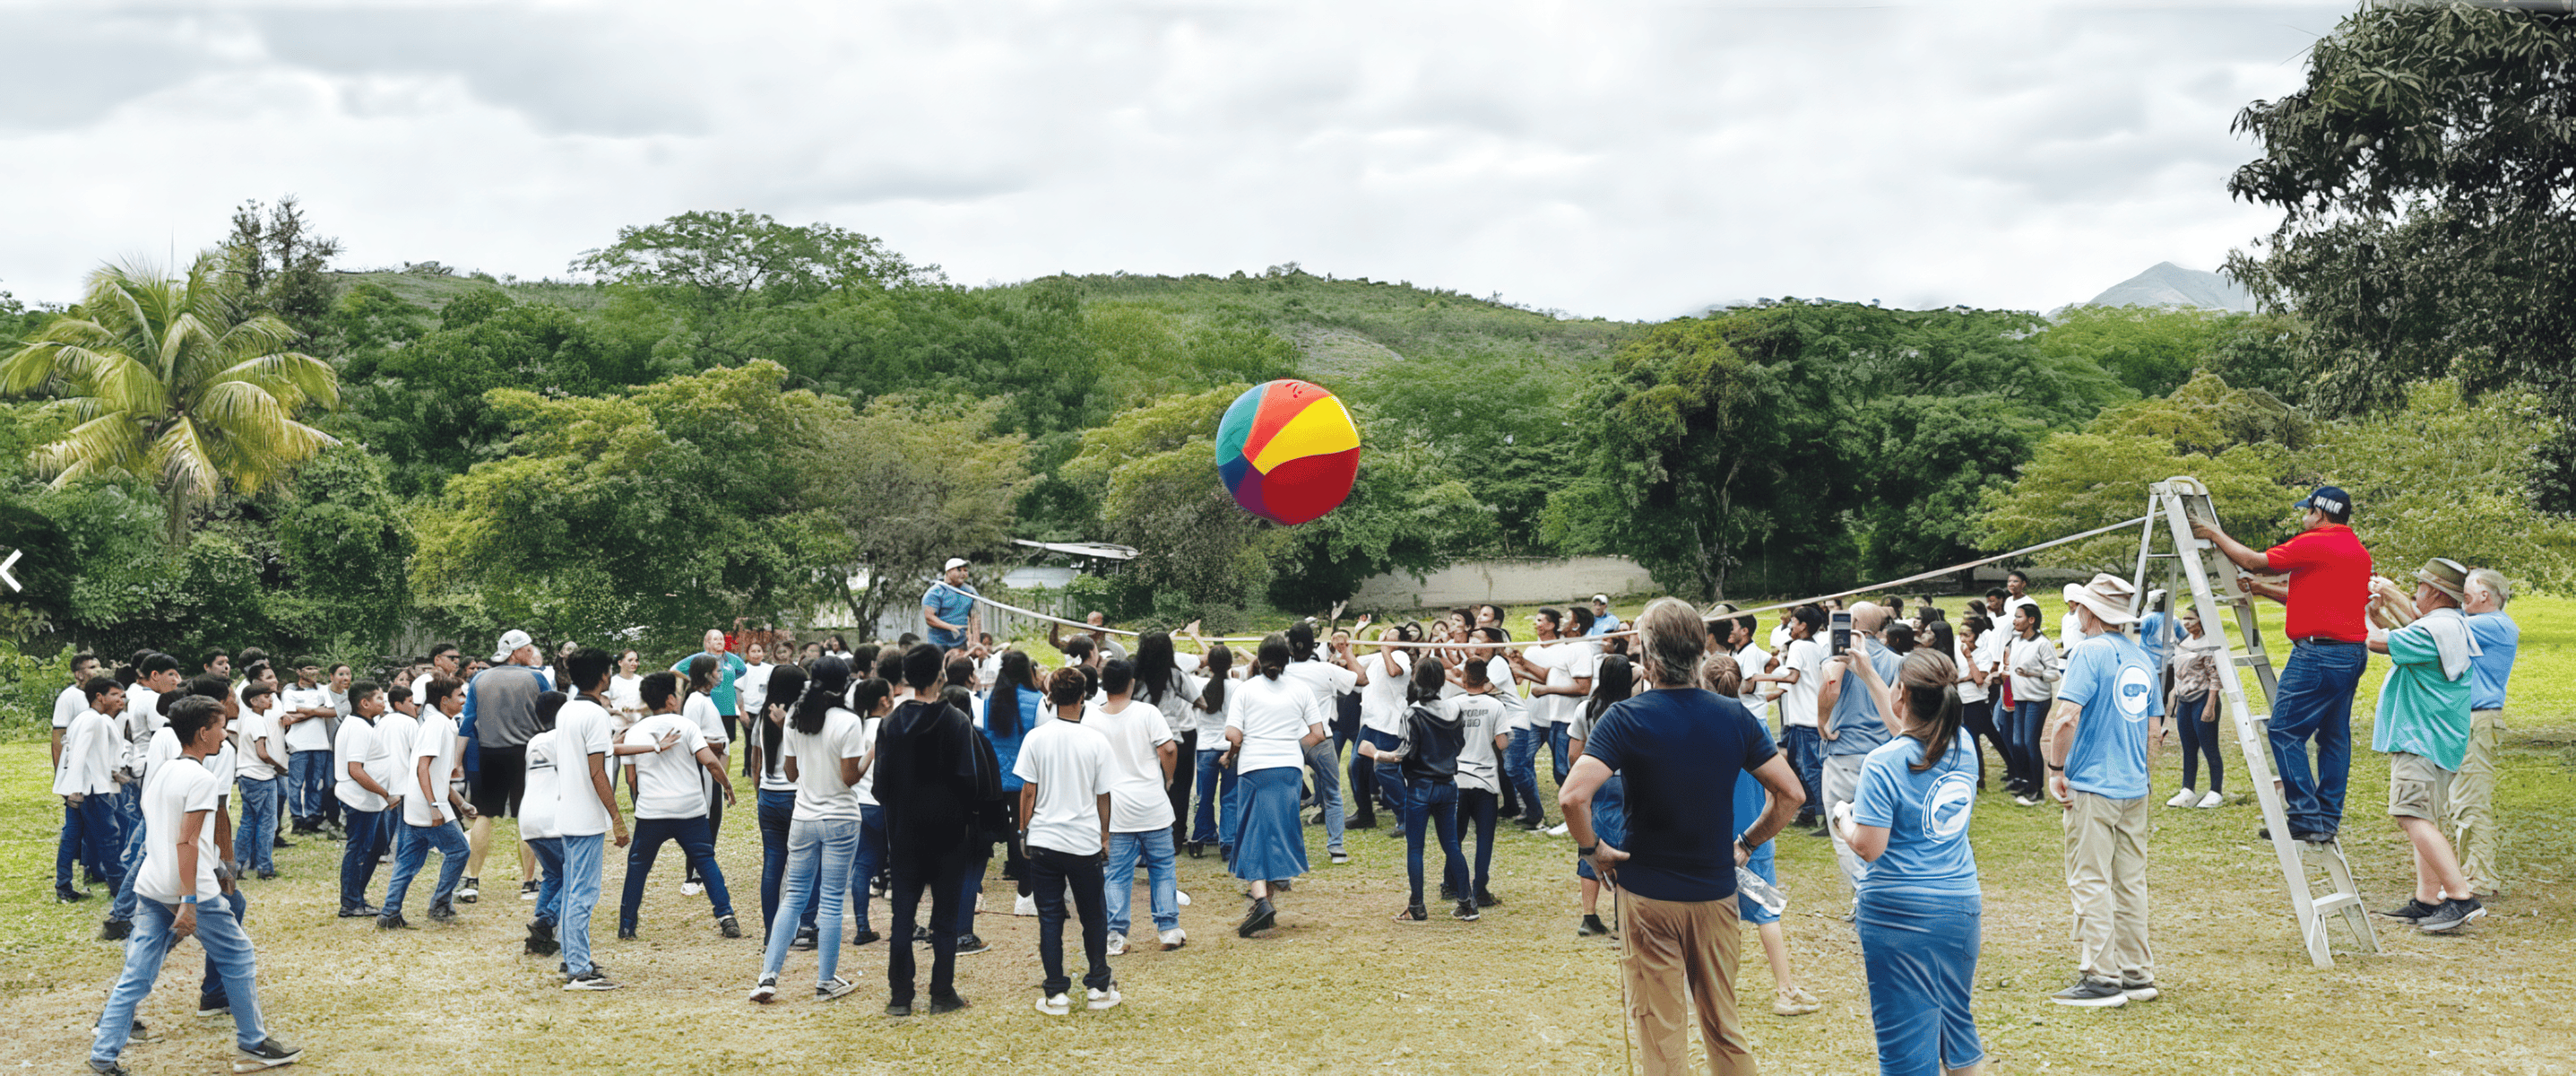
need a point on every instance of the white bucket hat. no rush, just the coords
(2106, 595)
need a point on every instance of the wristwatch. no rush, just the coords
(1587, 850)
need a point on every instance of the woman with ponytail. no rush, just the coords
(1215, 782)
(1009, 714)
(1271, 720)
(823, 752)
(768, 735)
(1920, 906)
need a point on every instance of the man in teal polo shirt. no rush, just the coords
(728, 666)
(2423, 727)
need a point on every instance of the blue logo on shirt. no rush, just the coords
(2135, 691)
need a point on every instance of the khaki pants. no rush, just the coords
(2469, 817)
(1842, 785)
(1681, 958)
(2106, 872)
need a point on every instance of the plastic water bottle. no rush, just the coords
(1763, 893)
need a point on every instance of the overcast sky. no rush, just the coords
(1628, 160)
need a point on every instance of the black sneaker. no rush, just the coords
(863, 937)
(2452, 915)
(1413, 913)
(1366, 821)
(68, 895)
(1486, 899)
(471, 891)
(2092, 993)
(1260, 917)
(1467, 912)
(1198, 849)
(214, 1007)
(528, 890)
(1591, 926)
(109, 1068)
(806, 940)
(898, 1008)
(968, 945)
(626, 933)
(392, 921)
(442, 913)
(268, 875)
(362, 911)
(946, 1003)
(1448, 892)
(269, 1054)
(728, 927)
(920, 935)
(281, 842)
(589, 980)
(2412, 911)
(115, 929)
(766, 991)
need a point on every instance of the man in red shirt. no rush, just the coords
(2329, 585)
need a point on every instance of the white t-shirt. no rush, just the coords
(396, 734)
(68, 704)
(866, 789)
(1382, 705)
(1798, 701)
(626, 693)
(538, 794)
(773, 764)
(1993, 648)
(669, 783)
(435, 741)
(91, 754)
(581, 730)
(820, 795)
(1211, 723)
(751, 687)
(1565, 662)
(254, 726)
(1484, 716)
(1069, 762)
(989, 671)
(1139, 801)
(1324, 677)
(1749, 661)
(1274, 715)
(1964, 658)
(358, 744)
(1179, 715)
(310, 734)
(178, 788)
(142, 718)
(701, 709)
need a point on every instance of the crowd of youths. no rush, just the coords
(898, 772)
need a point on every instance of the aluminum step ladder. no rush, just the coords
(2211, 579)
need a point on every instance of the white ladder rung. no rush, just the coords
(2326, 906)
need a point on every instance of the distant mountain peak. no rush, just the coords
(2168, 284)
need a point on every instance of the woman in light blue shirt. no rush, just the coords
(1920, 906)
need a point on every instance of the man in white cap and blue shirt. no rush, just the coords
(949, 608)
(2096, 750)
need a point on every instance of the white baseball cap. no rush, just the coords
(1603, 599)
(511, 641)
(953, 564)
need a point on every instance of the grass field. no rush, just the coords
(1341, 989)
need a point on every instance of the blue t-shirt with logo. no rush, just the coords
(2151, 636)
(952, 604)
(1857, 729)
(2498, 637)
(2111, 677)
(1926, 815)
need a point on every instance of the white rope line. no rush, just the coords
(1710, 616)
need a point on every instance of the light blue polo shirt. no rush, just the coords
(2498, 638)
(952, 604)
(2114, 680)
(1856, 727)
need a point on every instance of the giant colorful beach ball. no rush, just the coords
(1288, 451)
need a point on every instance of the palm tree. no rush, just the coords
(175, 382)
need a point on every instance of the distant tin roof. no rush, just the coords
(1100, 550)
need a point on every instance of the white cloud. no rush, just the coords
(1627, 160)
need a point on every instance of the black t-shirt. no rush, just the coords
(1677, 751)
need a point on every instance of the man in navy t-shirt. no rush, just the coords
(2096, 749)
(1677, 750)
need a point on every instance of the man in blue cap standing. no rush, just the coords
(2327, 590)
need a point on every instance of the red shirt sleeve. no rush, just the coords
(2299, 552)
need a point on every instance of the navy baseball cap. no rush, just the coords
(2331, 500)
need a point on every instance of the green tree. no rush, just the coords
(171, 382)
(2155, 349)
(1407, 512)
(715, 270)
(910, 485)
(285, 268)
(1153, 472)
(1498, 418)
(2445, 477)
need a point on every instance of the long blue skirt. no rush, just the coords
(1269, 843)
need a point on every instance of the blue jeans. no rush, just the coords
(412, 845)
(129, 856)
(358, 854)
(1920, 953)
(815, 850)
(102, 834)
(2315, 703)
(211, 991)
(255, 836)
(1390, 777)
(697, 840)
(866, 860)
(308, 775)
(1155, 847)
(550, 887)
(1435, 803)
(219, 930)
(1204, 828)
(1560, 740)
(1806, 750)
(2027, 717)
(581, 857)
(1326, 766)
(777, 815)
(1520, 767)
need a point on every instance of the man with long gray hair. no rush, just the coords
(1677, 749)
(2470, 816)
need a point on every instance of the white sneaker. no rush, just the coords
(1117, 945)
(1174, 939)
(2184, 798)
(1104, 999)
(1557, 830)
(691, 889)
(2025, 801)
(2214, 799)
(1184, 895)
(1055, 1005)
(1025, 906)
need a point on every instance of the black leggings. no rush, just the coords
(2200, 736)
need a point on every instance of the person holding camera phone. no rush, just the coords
(1852, 726)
